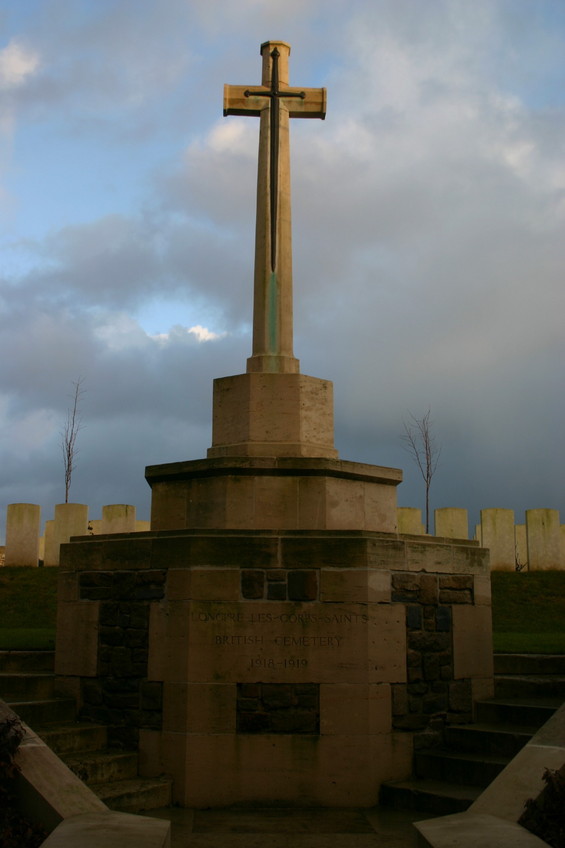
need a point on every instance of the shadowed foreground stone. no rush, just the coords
(110, 830)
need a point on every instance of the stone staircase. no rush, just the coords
(447, 779)
(27, 684)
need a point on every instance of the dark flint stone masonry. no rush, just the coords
(278, 708)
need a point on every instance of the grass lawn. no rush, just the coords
(528, 610)
(28, 605)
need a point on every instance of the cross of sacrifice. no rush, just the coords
(274, 102)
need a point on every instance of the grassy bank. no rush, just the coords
(28, 605)
(528, 610)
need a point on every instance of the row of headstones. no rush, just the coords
(537, 545)
(25, 546)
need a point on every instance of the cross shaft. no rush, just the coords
(274, 102)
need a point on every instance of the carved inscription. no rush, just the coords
(284, 617)
(284, 642)
(278, 641)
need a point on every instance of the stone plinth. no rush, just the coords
(22, 534)
(261, 414)
(262, 493)
(497, 534)
(274, 666)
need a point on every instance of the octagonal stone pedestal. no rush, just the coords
(292, 493)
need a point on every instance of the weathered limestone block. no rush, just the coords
(22, 534)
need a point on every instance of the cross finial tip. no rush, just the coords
(273, 44)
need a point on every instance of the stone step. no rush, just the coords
(103, 766)
(532, 712)
(529, 690)
(74, 737)
(27, 662)
(431, 796)
(27, 683)
(535, 664)
(133, 796)
(492, 739)
(525, 686)
(26, 687)
(458, 767)
(50, 711)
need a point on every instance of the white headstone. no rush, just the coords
(71, 519)
(22, 534)
(452, 523)
(544, 539)
(497, 534)
(521, 543)
(118, 518)
(410, 520)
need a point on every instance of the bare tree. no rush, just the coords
(69, 435)
(421, 445)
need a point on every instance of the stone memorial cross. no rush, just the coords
(274, 101)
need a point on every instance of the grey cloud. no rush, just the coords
(428, 222)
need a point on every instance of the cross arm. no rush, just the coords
(301, 102)
(313, 105)
(236, 103)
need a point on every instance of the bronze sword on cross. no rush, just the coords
(274, 102)
(274, 111)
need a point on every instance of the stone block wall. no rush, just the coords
(275, 654)
(431, 688)
(120, 695)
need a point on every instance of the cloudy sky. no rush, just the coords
(428, 222)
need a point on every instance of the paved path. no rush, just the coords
(247, 827)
